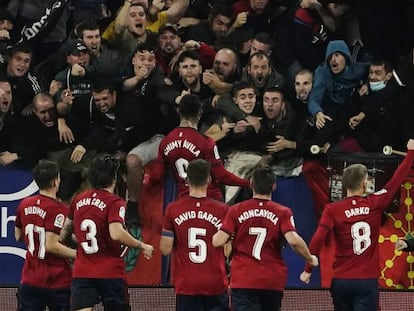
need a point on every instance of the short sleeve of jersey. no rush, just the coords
(56, 218)
(18, 220)
(212, 154)
(327, 218)
(229, 221)
(287, 222)
(72, 209)
(117, 211)
(166, 222)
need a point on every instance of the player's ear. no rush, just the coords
(56, 182)
(209, 179)
(274, 187)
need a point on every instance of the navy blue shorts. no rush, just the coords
(87, 292)
(32, 298)
(202, 302)
(243, 299)
(355, 294)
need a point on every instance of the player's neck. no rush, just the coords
(188, 123)
(359, 192)
(198, 192)
(110, 189)
(50, 193)
(262, 196)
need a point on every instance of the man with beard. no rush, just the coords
(260, 42)
(214, 30)
(224, 72)
(189, 81)
(261, 75)
(170, 47)
(169, 43)
(260, 72)
(278, 121)
(189, 77)
(304, 122)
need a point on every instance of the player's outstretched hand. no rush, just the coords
(400, 245)
(305, 277)
(147, 250)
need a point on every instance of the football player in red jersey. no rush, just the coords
(184, 144)
(97, 216)
(198, 269)
(258, 272)
(46, 274)
(355, 224)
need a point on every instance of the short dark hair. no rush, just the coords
(274, 89)
(103, 171)
(263, 37)
(241, 85)
(353, 175)
(188, 54)
(259, 55)
(20, 47)
(189, 106)
(44, 173)
(198, 172)
(262, 180)
(4, 79)
(87, 25)
(146, 46)
(102, 83)
(388, 66)
(139, 4)
(222, 8)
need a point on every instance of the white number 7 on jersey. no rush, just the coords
(260, 238)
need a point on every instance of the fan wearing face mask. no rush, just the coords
(384, 117)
